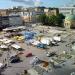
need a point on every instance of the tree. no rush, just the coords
(42, 18)
(56, 20)
(46, 20)
(52, 20)
(59, 19)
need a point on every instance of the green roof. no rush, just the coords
(70, 17)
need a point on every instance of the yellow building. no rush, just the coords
(69, 21)
(51, 11)
(3, 12)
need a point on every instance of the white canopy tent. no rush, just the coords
(4, 46)
(57, 38)
(46, 40)
(73, 47)
(14, 28)
(35, 42)
(8, 41)
(3, 39)
(16, 46)
(1, 65)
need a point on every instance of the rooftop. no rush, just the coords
(70, 17)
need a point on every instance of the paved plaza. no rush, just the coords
(66, 69)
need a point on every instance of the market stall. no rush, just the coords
(4, 47)
(16, 47)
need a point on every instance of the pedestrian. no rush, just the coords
(5, 65)
(5, 59)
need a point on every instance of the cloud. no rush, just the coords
(37, 2)
(29, 2)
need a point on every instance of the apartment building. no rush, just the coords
(3, 12)
(4, 22)
(22, 16)
(66, 10)
(51, 11)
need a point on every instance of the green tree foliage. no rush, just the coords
(52, 20)
(43, 19)
(59, 20)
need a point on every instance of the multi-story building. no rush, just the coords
(19, 16)
(4, 19)
(51, 11)
(27, 16)
(15, 20)
(3, 12)
(38, 11)
(31, 14)
(4, 22)
(66, 10)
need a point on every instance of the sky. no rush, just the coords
(32, 3)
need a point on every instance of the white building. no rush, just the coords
(66, 10)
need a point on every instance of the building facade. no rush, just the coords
(4, 22)
(27, 15)
(8, 21)
(31, 15)
(66, 10)
(15, 20)
(51, 11)
(69, 21)
(3, 12)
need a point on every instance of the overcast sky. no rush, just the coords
(29, 3)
